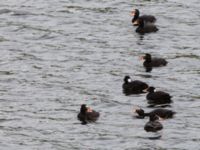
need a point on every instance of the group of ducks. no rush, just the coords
(155, 98)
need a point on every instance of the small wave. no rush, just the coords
(4, 11)
(6, 73)
(187, 56)
(20, 13)
(97, 9)
(24, 56)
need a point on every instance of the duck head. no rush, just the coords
(83, 109)
(140, 112)
(147, 57)
(127, 79)
(151, 89)
(135, 13)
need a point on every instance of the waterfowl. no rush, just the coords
(133, 87)
(153, 125)
(162, 113)
(145, 27)
(136, 15)
(150, 62)
(87, 115)
(157, 97)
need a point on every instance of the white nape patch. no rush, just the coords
(155, 90)
(129, 80)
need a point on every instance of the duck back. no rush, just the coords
(159, 97)
(163, 113)
(148, 18)
(134, 87)
(155, 62)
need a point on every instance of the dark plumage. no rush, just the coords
(136, 15)
(133, 87)
(162, 113)
(158, 97)
(153, 125)
(145, 27)
(87, 115)
(150, 62)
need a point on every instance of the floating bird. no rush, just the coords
(136, 15)
(153, 125)
(157, 97)
(87, 115)
(133, 87)
(162, 113)
(144, 27)
(150, 62)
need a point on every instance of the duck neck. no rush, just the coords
(148, 60)
(83, 110)
(143, 115)
(146, 114)
(135, 17)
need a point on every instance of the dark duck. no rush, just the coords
(153, 125)
(87, 115)
(160, 112)
(144, 27)
(133, 87)
(150, 62)
(136, 15)
(158, 97)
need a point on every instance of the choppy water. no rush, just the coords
(56, 55)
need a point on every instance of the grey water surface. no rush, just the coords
(58, 54)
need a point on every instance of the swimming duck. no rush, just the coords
(158, 97)
(87, 115)
(162, 113)
(145, 27)
(150, 62)
(133, 87)
(136, 15)
(153, 125)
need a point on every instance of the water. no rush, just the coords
(58, 54)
